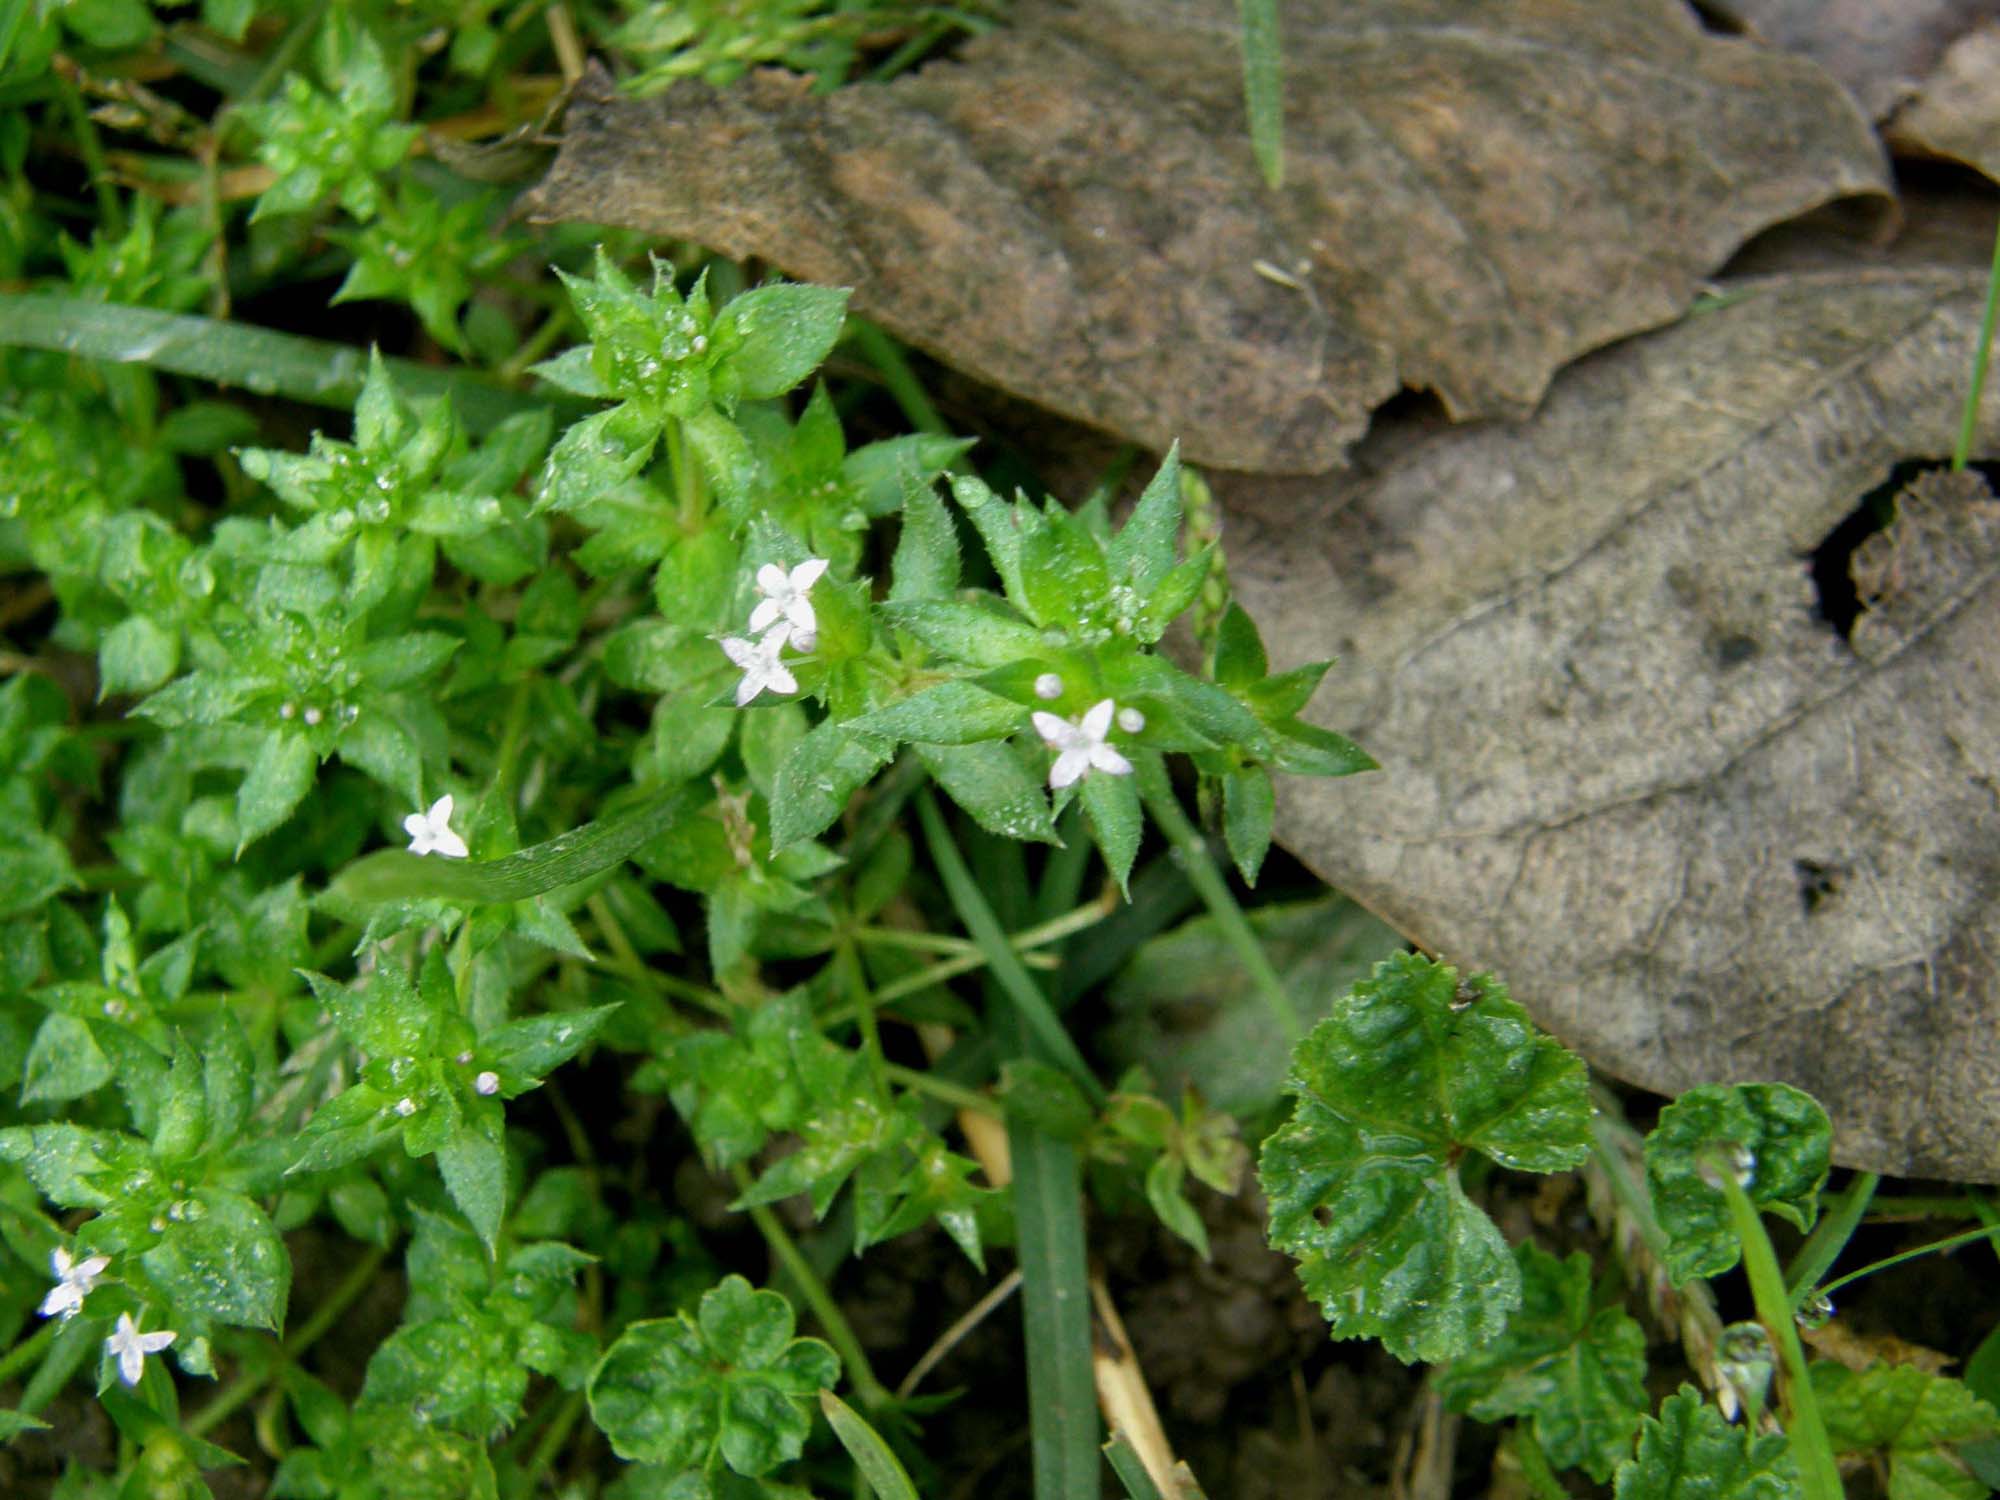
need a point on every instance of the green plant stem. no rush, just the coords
(1810, 1444)
(1823, 1246)
(553, 1437)
(246, 1385)
(874, 1395)
(1968, 421)
(1535, 1467)
(626, 960)
(1191, 854)
(1009, 972)
(109, 209)
(1951, 1242)
(905, 389)
(29, 1350)
(918, 1081)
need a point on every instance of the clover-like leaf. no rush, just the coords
(1691, 1453)
(1775, 1138)
(730, 1381)
(1580, 1374)
(1412, 1069)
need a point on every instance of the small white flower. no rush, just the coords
(406, 1106)
(487, 1083)
(430, 832)
(785, 599)
(130, 1347)
(1131, 720)
(74, 1279)
(759, 663)
(1048, 687)
(1080, 746)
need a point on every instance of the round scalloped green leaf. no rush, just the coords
(1410, 1070)
(672, 1391)
(1691, 1453)
(1579, 1373)
(1776, 1134)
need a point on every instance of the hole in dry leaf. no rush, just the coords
(1835, 599)
(1818, 883)
(1716, 19)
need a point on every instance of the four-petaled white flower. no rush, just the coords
(74, 1279)
(785, 599)
(430, 832)
(130, 1347)
(1080, 746)
(758, 661)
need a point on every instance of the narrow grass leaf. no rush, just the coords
(884, 1472)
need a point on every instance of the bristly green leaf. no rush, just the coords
(991, 782)
(1116, 822)
(261, 360)
(1775, 1138)
(1690, 1452)
(772, 338)
(396, 875)
(818, 777)
(1249, 807)
(1410, 1070)
(1143, 550)
(1579, 1374)
(926, 563)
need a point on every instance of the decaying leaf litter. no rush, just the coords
(1582, 634)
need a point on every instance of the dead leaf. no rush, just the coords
(1702, 836)
(1478, 192)
(1859, 1351)
(1956, 111)
(1879, 48)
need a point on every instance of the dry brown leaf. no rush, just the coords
(1956, 111)
(1701, 836)
(1478, 191)
(1859, 1351)
(1879, 48)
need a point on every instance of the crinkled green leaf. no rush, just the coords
(458, 1373)
(1774, 1137)
(1913, 1415)
(1690, 1452)
(1578, 1373)
(1410, 1070)
(731, 1379)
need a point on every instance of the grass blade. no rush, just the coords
(884, 1472)
(1263, 86)
(1131, 1472)
(261, 360)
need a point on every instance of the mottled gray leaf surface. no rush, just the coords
(1955, 113)
(1702, 836)
(1478, 191)
(1879, 48)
